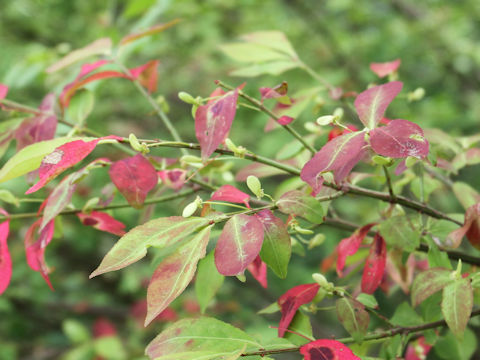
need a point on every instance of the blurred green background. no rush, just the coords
(437, 41)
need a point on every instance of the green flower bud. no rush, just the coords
(325, 120)
(382, 160)
(317, 240)
(255, 186)
(187, 98)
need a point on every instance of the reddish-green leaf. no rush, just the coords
(213, 122)
(374, 265)
(102, 221)
(231, 194)
(277, 246)
(353, 316)
(134, 177)
(238, 244)
(326, 349)
(202, 338)
(428, 282)
(173, 179)
(385, 68)
(278, 92)
(174, 274)
(292, 300)
(399, 139)
(62, 158)
(372, 103)
(153, 30)
(147, 75)
(350, 245)
(339, 155)
(470, 228)
(5, 259)
(457, 304)
(161, 233)
(35, 248)
(297, 203)
(98, 47)
(40, 127)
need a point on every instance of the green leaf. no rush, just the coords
(270, 309)
(300, 324)
(174, 274)
(271, 68)
(429, 282)
(298, 203)
(30, 157)
(405, 316)
(353, 316)
(8, 197)
(276, 248)
(75, 331)
(437, 258)
(367, 300)
(401, 231)
(81, 105)
(429, 186)
(457, 303)
(251, 53)
(448, 347)
(109, 348)
(272, 39)
(203, 338)
(466, 195)
(207, 281)
(161, 233)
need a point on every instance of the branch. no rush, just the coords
(267, 111)
(346, 188)
(404, 330)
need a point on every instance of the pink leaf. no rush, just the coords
(231, 194)
(374, 265)
(372, 103)
(338, 131)
(102, 221)
(292, 300)
(147, 75)
(326, 349)
(238, 244)
(385, 68)
(173, 179)
(350, 246)
(5, 259)
(399, 139)
(213, 122)
(134, 177)
(278, 92)
(417, 349)
(40, 127)
(35, 248)
(339, 155)
(470, 228)
(285, 120)
(3, 91)
(63, 158)
(258, 269)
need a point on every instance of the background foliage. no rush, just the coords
(438, 42)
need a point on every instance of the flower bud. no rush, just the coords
(255, 186)
(187, 98)
(325, 120)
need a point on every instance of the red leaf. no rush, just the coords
(417, 349)
(239, 244)
(40, 127)
(231, 194)
(326, 349)
(374, 265)
(102, 221)
(258, 269)
(339, 155)
(64, 157)
(399, 139)
(103, 327)
(338, 131)
(292, 300)
(350, 245)
(134, 177)
(173, 179)
(470, 228)
(213, 122)
(147, 75)
(35, 248)
(385, 68)
(372, 103)
(5, 259)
